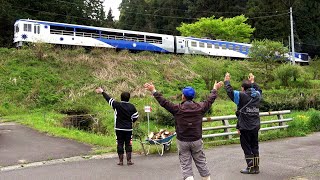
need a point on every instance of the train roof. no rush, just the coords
(90, 27)
(214, 40)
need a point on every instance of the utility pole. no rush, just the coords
(292, 38)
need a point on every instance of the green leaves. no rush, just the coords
(230, 29)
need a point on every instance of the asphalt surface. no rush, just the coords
(290, 158)
(19, 144)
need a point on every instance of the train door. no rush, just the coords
(36, 29)
(187, 50)
(36, 33)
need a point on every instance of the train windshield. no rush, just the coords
(304, 56)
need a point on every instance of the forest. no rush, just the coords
(269, 18)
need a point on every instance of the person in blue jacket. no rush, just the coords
(248, 124)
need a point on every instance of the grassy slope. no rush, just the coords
(37, 83)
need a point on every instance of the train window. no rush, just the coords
(224, 46)
(154, 39)
(209, 45)
(87, 32)
(193, 44)
(201, 44)
(112, 35)
(230, 47)
(27, 27)
(134, 37)
(16, 28)
(237, 48)
(36, 29)
(62, 30)
(216, 45)
(244, 48)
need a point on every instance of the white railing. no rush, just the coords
(227, 127)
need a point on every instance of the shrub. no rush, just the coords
(314, 121)
(299, 126)
(210, 70)
(163, 117)
(286, 73)
(315, 66)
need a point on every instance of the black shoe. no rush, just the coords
(250, 163)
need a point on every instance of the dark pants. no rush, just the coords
(124, 138)
(249, 141)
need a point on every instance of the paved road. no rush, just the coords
(22, 144)
(291, 158)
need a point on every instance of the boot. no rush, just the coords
(249, 169)
(120, 163)
(129, 159)
(256, 162)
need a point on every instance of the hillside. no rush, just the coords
(40, 84)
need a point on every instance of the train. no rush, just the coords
(26, 30)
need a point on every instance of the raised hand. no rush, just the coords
(218, 85)
(227, 77)
(251, 78)
(149, 87)
(99, 90)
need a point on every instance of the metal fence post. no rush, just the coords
(227, 129)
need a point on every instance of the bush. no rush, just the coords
(286, 73)
(163, 117)
(299, 126)
(314, 122)
(315, 66)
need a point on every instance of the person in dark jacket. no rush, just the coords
(125, 115)
(248, 125)
(188, 123)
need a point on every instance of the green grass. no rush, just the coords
(37, 83)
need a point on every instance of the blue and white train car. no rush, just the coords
(26, 30)
(301, 58)
(190, 45)
(79, 35)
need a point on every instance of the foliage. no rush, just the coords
(299, 126)
(35, 89)
(209, 70)
(230, 29)
(314, 122)
(163, 117)
(315, 66)
(286, 73)
(268, 52)
(293, 99)
(110, 21)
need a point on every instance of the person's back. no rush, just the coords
(188, 121)
(248, 124)
(248, 109)
(125, 114)
(188, 115)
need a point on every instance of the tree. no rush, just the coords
(110, 22)
(132, 15)
(268, 52)
(230, 29)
